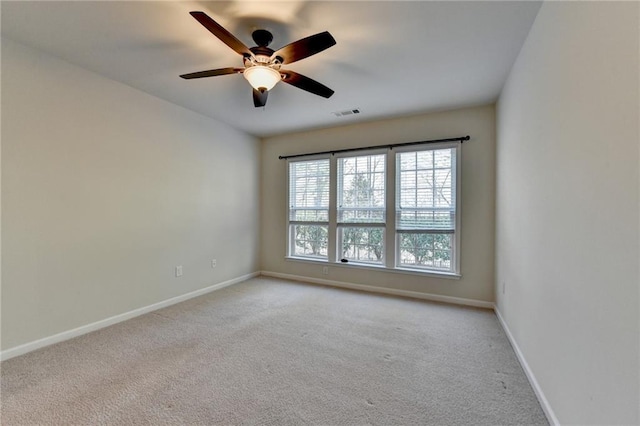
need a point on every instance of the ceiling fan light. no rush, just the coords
(262, 76)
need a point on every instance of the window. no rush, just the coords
(397, 209)
(426, 209)
(361, 208)
(309, 208)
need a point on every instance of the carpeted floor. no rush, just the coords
(273, 352)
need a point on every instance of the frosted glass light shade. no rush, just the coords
(262, 76)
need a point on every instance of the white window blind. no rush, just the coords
(309, 191)
(361, 189)
(426, 196)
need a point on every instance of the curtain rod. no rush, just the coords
(336, 151)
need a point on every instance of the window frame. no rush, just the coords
(390, 234)
(341, 225)
(455, 243)
(290, 241)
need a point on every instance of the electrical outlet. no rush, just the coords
(179, 271)
(503, 287)
(214, 263)
(325, 270)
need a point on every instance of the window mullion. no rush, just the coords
(456, 184)
(332, 249)
(390, 204)
(291, 187)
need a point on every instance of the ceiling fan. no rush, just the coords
(262, 65)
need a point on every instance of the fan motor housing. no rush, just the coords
(261, 50)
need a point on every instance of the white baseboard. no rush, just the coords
(544, 403)
(70, 334)
(383, 290)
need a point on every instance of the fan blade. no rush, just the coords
(260, 98)
(305, 83)
(212, 73)
(305, 47)
(225, 36)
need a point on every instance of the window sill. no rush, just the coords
(372, 267)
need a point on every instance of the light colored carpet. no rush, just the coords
(273, 352)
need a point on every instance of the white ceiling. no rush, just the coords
(391, 58)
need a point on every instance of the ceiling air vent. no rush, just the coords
(346, 112)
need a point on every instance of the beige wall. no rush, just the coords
(477, 198)
(104, 190)
(567, 209)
